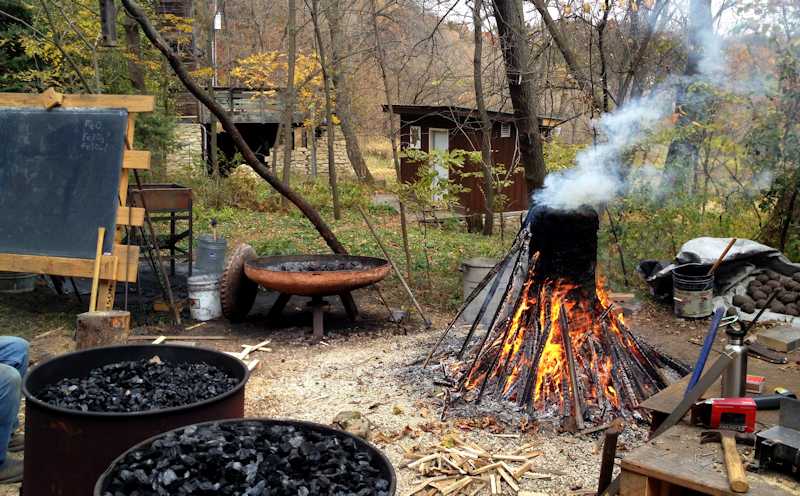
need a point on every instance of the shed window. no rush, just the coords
(415, 137)
(505, 130)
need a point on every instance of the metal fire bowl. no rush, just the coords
(316, 275)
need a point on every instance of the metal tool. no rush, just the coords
(778, 448)
(773, 401)
(735, 414)
(709, 340)
(737, 479)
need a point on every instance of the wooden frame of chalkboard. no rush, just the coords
(123, 262)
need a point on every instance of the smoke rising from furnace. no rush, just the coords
(597, 176)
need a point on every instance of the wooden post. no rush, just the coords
(102, 328)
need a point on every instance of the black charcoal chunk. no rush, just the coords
(252, 459)
(136, 386)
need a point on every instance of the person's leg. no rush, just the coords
(14, 352)
(10, 382)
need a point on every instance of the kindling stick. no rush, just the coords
(396, 270)
(573, 379)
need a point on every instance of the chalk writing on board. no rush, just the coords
(94, 136)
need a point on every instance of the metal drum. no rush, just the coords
(692, 291)
(67, 450)
(385, 467)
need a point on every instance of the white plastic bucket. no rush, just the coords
(204, 302)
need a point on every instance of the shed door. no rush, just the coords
(440, 141)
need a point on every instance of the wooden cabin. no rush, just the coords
(427, 128)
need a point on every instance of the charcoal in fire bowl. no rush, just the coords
(316, 275)
(67, 449)
(250, 457)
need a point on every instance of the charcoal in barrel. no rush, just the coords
(250, 456)
(146, 390)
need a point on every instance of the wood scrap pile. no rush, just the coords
(250, 348)
(467, 469)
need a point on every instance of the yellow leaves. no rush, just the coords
(202, 73)
(567, 10)
(268, 70)
(587, 8)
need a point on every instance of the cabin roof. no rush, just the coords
(458, 114)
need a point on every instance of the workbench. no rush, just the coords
(676, 463)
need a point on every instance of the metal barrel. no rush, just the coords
(67, 450)
(692, 290)
(385, 466)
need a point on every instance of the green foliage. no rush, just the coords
(13, 59)
(430, 191)
(558, 155)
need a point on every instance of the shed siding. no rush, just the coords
(503, 152)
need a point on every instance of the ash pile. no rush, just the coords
(551, 343)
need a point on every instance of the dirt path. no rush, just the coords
(374, 369)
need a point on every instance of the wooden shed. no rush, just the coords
(427, 128)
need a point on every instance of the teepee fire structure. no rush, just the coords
(553, 344)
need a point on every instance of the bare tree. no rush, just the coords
(343, 92)
(683, 155)
(381, 59)
(513, 38)
(326, 77)
(288, 101)
(213, 106)
(486, 123)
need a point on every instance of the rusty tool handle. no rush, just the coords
(733, 464)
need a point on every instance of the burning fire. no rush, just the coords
(600, 371)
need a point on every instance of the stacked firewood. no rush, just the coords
(467, 469)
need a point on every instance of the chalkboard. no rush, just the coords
(59, 179)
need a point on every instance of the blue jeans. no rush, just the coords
(13, 365)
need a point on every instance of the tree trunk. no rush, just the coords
(601, 32)
(486, 123)
(513, 39)
(683, 154)
(288, 103)
(343, 94)
(392, 131)
(135, 71)
(326, 78)
(583, 81)
(213, 106)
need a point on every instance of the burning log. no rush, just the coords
(559, 351)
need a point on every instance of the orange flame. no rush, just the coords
(530, 344)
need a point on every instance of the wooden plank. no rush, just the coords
(136, 159)
(126, 255)
(132, 103)
(74, 267)
(633, 484)
(677, 458)
(130, 216)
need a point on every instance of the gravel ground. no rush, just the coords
(374, 369)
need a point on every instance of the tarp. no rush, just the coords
(745, 260)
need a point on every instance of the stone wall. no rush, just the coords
(188, 148)
(301, 156)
